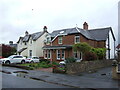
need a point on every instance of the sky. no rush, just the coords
(18, 16)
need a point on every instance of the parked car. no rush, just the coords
(62, 62)
(1, 57)
(13, 59)
(32, 59)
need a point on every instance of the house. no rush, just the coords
(58, 44)
(31, 44)
(118, 52)
(0, 50)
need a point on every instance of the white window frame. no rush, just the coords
(45, 53)
(63, 58)
(30, 52)
(60, 40)
(58, 58)
(76, 39)
(49, 53)
(79, 54)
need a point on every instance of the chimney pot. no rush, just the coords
(45, 29)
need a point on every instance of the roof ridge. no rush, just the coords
(99, 28)
(63, 29)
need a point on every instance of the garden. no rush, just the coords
(45, 64)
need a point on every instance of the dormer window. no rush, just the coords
(60, 40)
(77, 39)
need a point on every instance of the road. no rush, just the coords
(12, 81)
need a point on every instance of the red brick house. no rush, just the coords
(58, 44)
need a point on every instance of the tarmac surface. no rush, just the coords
(99, 79)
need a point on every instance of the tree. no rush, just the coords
(82, 47)
(100, 52)
(7, 50)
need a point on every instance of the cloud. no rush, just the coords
(31, 15)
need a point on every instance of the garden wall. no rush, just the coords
(73, 68)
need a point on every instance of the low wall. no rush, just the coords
(84, 66)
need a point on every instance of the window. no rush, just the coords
(63, 54)
(77, 39)
(75, 54)
(45, 54)
(59, 40)
(58, 54)
(49, 56)
(30, 53)
(78, 55)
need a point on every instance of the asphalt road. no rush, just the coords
(11, 81)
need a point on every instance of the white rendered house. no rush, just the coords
(31, 44)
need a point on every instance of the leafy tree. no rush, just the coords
(82, 47)
(7, 50)
(100, 52)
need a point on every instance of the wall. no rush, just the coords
(73, 68)
(69, 40)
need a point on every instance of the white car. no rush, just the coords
(62, 62)
(32, 59)
(13, 59)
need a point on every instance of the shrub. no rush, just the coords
(100, 52)
(89, 56)
(55, 63)
(45, 60)
(70, 60)
(82, 47)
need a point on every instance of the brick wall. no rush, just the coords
(69, 40)
(73, 68)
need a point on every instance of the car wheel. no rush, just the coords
(23, 61)
(7, 62)
(32, 61)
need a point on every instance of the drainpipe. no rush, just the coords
(114, 51)
(108, 47)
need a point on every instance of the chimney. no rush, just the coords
(10, 42)
(85, 26)
(26, 33)
(45, 29)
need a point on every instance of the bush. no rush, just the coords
(100, 52)
(89, 56)
(45, 60)
(70, 60)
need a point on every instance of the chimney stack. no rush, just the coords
(26, 33)
(85, 26)
(11, 42)
(45, 29)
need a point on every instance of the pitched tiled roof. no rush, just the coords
(34, 36)
(93, 34)
(118, 46)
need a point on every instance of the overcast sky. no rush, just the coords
(17, 16)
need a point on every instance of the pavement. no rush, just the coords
(98, 79)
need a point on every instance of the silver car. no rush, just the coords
(32, 59)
